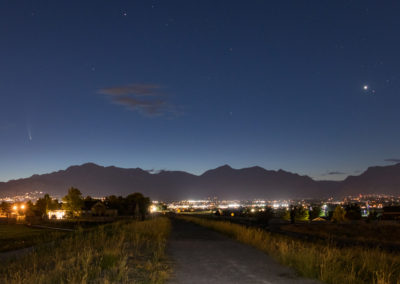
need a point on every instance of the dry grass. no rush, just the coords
(324, 262)
(17, 236)
(122, 252)
(379, 233)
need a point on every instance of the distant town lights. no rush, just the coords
(153, 209)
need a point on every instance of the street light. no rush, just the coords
(15, 207)
(22, 206)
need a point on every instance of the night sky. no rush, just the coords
(311, 87)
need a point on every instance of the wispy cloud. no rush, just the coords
(132, 89)
(336, 173)
(393, 160)
(143, 98)
(152, 108)
(333, 173)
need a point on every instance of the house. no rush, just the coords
(57, 214)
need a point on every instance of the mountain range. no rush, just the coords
(224, 182)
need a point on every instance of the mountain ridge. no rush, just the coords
(224, 182)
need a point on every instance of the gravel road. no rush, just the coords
(200, 255)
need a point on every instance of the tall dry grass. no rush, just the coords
(122, 252)
(324, 262)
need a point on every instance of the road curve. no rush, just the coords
(200, 255)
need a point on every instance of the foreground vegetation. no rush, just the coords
(378, 233)
(324, 262)
(17, 236)
(122, 252)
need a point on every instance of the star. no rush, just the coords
(124, 14)
(365, 87)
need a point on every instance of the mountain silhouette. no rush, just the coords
(223, 182)
(374, 180)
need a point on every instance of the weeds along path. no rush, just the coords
(330, 264)
(200, 255)
(14, 254)
(120, 252)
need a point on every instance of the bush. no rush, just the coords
(263, 217)
(339, 214)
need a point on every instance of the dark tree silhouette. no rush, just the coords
(353, 211)
(73, 201)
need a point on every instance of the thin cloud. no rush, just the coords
(333, 173)
(132, 89)
(143, 98)
(393, 160)
(152, 108)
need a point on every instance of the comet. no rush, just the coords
(28, 128)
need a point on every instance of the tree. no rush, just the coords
(339, 214)
(353, 211)
(89, 202)
(29, 209)
(6, 208)
(73, 201)
(43, 205)
(138, 205)
(263, 217)
(114, 202)
(301, 214)
(315, 212)
(99, 209)
(284, 214)
(292, 214)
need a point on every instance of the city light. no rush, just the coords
(56, 214)
(153, 208)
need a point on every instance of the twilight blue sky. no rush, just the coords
(192, 85)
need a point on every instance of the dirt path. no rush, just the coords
(200, 255)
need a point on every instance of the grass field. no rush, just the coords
(16, 236)
(121, 252)
(379, 233)
(320, 261)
